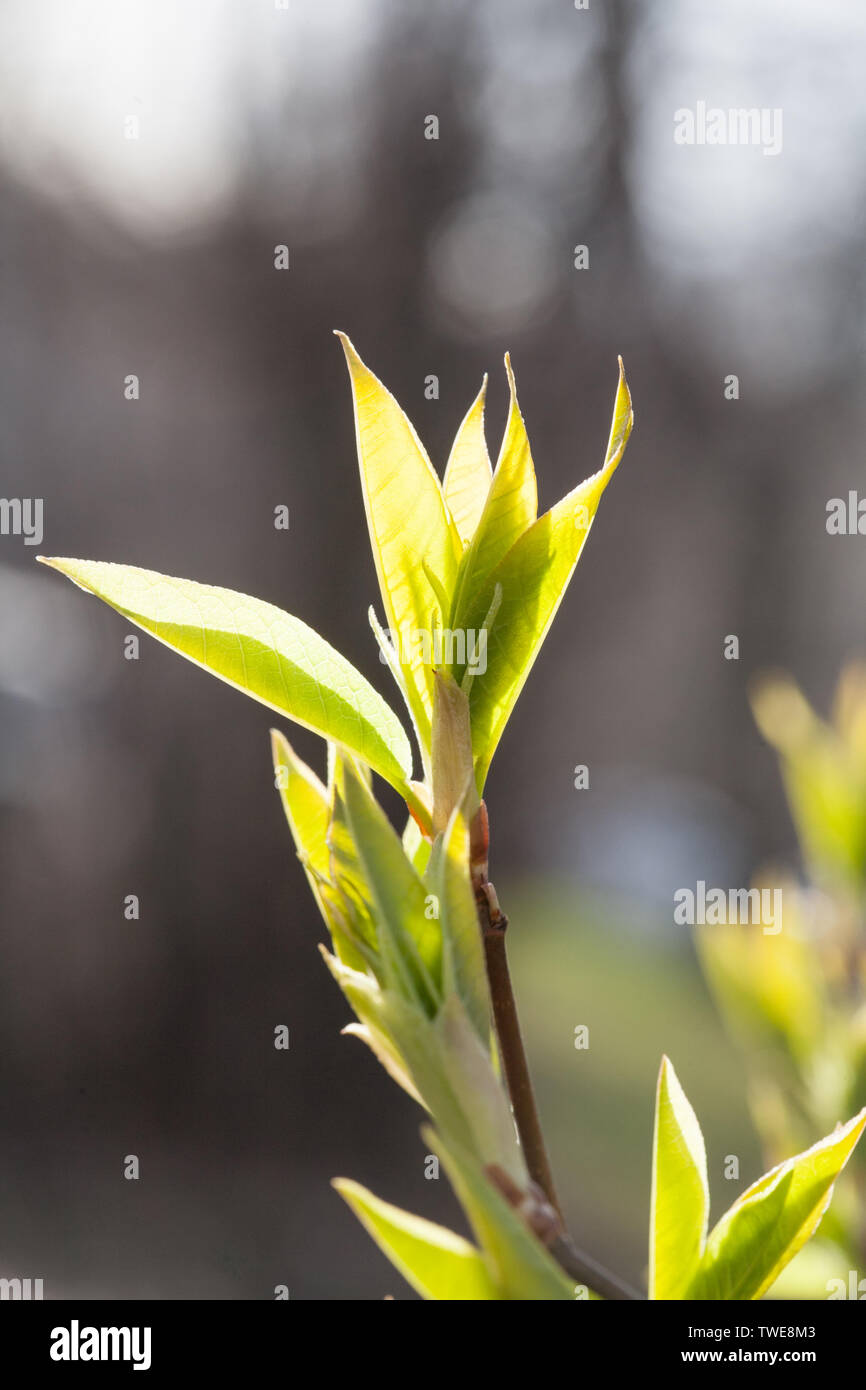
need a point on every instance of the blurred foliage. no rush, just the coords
(796, 1000)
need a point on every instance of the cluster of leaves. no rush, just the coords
(768, 1224)
(467, 554)
(470, 553)
(408, 957)
(796, 999)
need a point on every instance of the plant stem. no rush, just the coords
(583, 1268)
(514, 1061)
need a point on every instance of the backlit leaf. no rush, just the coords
(409, 941)
(533, 577)
(415, 543)
(765, 1228)
(468, 474)
(436, 1262)
(510, 507)
(261, 651)
(680, 1201)
(305, 802)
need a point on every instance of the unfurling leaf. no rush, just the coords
(510, 508)
(468, 474)
(306, 804)
(532, 577)
(415, 543)
(409, 942)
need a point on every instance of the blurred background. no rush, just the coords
(152, 157)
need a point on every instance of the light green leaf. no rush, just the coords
(346, 868)
(468, 473)
(533, 576)
(351, 930)
(436, 1262)
(351, 894)
(306, 804)
(259, 650)
(510, 507)
(680, 1201)
(520, 1265)
(765, 1228)
(308, 808)
(410, 943)
(411, 532)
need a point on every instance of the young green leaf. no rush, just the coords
(468, 473)
(306, 805)
(409, 939)
(415, 543)
(436, 1262)
(510, 508)
(259, 650)
(346, 868)
(680, 1201)
(765, 1228)
(308, 809)
(533, 577)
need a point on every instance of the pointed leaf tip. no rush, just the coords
(468, 472)
(414, 540)
(438, 1263)
(680, 1199)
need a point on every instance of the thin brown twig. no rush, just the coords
(579, 1266)
(513, 1054)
